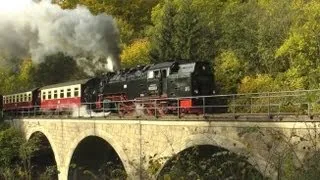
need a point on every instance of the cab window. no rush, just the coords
(164, 73)
(157, 74)
(150, 75)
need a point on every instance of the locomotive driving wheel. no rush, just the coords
(156, 108)
(162, 108)
(148, 107)
(126, 108)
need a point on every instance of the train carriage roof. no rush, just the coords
(162, 65)
(69, 83)
(22, 92)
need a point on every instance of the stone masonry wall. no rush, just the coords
(136, 140)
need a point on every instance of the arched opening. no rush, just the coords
(94, 158)
(39, 158)
(208, 162)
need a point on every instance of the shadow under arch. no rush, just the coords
(49, 137)
(109, 139)
(208, 162)
(41, 156)
(95, 158)
(223, 142)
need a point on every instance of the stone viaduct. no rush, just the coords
(135, 140)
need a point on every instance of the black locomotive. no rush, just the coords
(163, 81)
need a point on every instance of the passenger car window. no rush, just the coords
(44, 95)
(68, 92)
(76, 92)
(55, 94)
(49, 94)
(61, 93)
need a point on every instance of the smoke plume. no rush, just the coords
(41, 29)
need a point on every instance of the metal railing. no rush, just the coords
(302, 102)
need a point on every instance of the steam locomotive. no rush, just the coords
(123, 90)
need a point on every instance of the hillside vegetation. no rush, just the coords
(253, 45)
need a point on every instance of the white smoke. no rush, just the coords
(42, 29)
(83, 111)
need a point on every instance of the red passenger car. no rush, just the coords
(21, 101)
(63, 96)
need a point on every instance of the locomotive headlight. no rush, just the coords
(196, 91)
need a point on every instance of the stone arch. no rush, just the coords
(219, 141)
(105, 136)
(49, 137)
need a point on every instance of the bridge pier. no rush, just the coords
(63, 172)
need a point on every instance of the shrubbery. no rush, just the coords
(16, 154)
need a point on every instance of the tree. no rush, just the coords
(162, 34)
(179, 33)
(16, 155)
(239, 25)
(258, 83)
(228, 72)
(10, 141)
(291, 80)
(56, 69)
(273, 28)
(302, 48)
(19, 80)
(136, 54)
(127, 33)
(25, 77)
(4, 76)
(191, 38)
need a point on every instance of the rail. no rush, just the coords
(266, 105)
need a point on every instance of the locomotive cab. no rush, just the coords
(170, 79)
(189, 80)
(157, 78)
(202, 80)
